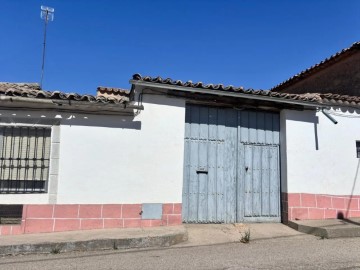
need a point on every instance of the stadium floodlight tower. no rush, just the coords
(47, 14)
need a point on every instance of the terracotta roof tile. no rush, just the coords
(31, 90)
(113, 90)
(138, 77)
(19, 86)
(319, 66)
(323, 99)
(110, 92)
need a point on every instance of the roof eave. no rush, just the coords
(11, 102)
(228, 94)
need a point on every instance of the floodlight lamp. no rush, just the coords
(47, 13)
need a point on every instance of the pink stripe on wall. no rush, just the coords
(300, 206)
(69, 217)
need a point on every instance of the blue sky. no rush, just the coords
(255, 44)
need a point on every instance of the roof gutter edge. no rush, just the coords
(72, 105)
(228, 94)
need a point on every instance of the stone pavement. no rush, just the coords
(102, 239)
(183, 236)
(210, 234)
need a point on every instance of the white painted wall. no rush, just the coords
(119, 159)
(329, 168)
(115, 159)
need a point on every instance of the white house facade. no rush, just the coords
(170, 152)
(320, 164)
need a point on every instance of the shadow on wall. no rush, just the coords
(304, 116)
(109, 121)
(336, 111)
(70, 119)
(340, 214)
(307, 117)
(346, 109)
(158, 97)
(229, 117)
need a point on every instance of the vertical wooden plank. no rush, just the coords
(248, 180)
(269, 128)
(274, 182)
(276, 128)
(213, 122)
(244, 126)
(194, 161)
(230, 164)
(220, 157)
(260, 126)
(265, 181)
(256, 180)
(185, 194)
(202, 198)
(240, 182)
(185, 208)
(212, 164)
(275, 164)
(240, 172)
(204, 123)
(252, 127)
(195, 122)
(203, 164)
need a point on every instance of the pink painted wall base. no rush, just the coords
(301, 206)
(71, 217)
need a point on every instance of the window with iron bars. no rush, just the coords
(24, 159)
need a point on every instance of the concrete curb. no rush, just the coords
(308, 229)
(324, 232)
(165, 240)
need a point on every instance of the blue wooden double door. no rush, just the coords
(231, 166)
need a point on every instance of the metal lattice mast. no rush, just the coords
(47, 14)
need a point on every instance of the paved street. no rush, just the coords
(295, 252)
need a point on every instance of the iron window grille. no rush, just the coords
(24, 159)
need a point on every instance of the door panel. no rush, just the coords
(261, 192)
(231, 166)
